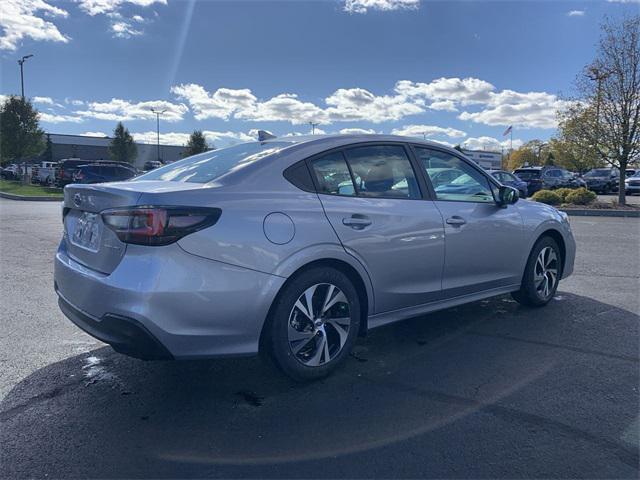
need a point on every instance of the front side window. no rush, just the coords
(383, 171)
(332, 175)
(453, 179)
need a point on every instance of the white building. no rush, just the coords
(488, 160)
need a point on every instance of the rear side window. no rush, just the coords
(383, 171)
(527, 174)
(332, 175)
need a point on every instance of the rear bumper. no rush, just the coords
(125, 335)
(163, 302)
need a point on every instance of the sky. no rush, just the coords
(457, 72)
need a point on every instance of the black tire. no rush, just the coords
(606, 190)
(286, 317)
(530, 293)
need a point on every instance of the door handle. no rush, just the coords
(456, 221)
(357, 222)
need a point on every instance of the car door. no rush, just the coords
(372, 199)
(483, 241)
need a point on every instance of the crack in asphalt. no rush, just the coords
(626, 358)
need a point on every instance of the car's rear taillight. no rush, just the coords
(152, 225)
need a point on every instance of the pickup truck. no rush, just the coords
(45, 173)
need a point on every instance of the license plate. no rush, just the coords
(87, 232)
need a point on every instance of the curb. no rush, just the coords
(26, 198)
(601, 213)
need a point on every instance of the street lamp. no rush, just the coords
(313, 127)
(598, 75)
(158, 113)
(21, 63)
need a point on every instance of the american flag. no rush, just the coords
(507, 131)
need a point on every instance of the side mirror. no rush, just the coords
(507, 196)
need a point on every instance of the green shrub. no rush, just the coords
(547, 196)
(581, 196)
(563, 192)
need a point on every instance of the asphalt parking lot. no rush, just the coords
(490, 389)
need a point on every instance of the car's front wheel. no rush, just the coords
(314, 324)
(541, 275)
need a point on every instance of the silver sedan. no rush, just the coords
(296, 246)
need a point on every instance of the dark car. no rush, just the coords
(547, 178)
(103, 172)
(602, 180)
(67, 168)
(506, 178)
(151, 165)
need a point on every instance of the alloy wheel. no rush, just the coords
(546, 272)
(318, 325)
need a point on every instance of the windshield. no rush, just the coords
(598, 172)
(211, 165)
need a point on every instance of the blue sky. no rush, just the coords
(453, 71)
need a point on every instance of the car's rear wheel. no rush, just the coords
(541, 275)
(314, 324)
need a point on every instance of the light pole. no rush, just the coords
(158, 113)
(21, 63)
(313, 127)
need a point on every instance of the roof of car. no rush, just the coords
(345, 139)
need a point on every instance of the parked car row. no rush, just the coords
(528, 180)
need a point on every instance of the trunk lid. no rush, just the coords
(88, 240)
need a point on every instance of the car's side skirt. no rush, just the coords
(380, 319)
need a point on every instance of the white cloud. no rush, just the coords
(221, 104)
(357, 131)
(363, 6)
(181, 138)
(428, 130)
(120, 25)
(123, 29)
(94, 134)
(358, 104)
(98, 7)
(506, 107)
(623, 1)
(447, 105)
(528, 110)
(353, 104)
(490, 143)
(122, 110)
(284, 107)
(466, 91)
(56, 118)
(575, 13)
(21, 19)
(44, 100)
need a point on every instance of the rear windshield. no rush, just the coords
(527, 174)
(208, 166)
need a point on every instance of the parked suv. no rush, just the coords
(547, 178)
(602, 180)
(102, 172)
(506, 178)
(632, 183)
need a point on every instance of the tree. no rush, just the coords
(47, 155)
(608, 104)
(534, 152)
(196, 144)
(20, 134)
(570, 148)
(122, 148)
